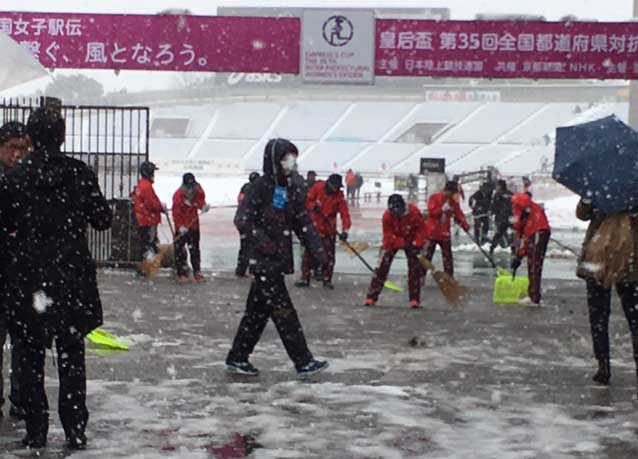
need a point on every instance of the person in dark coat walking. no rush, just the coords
(480, 203)
(242, 256)
(273, 208)
(14, 146)
(188, 200)
(48, 201)
(502, 211)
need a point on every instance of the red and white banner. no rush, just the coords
(479, 49)
(152, 42)
(499, 49)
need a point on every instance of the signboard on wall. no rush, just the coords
(432, 166)
(337, 46)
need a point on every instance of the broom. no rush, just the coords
(151, 264)
(387, 284)
(451, 289)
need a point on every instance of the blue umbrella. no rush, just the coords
(599, 161)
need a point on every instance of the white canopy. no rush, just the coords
(17, 65)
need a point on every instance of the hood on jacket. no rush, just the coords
(42, 171)
(522, 200)
(273, 153)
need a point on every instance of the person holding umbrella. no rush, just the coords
(532, 232)
(597, 161)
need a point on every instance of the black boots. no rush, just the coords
(37, 429)
(603, 374)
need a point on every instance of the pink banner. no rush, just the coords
(145, 42)
(497, 49)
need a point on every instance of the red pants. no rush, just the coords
(381, 274)
(327, 269)
(446, 253)
(536, 248)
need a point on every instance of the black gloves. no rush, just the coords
(516, 262)
(343, 236)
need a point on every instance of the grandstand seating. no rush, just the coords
(373, 137)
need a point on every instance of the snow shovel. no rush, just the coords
(451, 289)
(508, 289)
(485, 254)
(106, 339)
(387, 284)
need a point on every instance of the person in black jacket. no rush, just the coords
(14, 146)
(272, 209)
(480, 203)
(48, 202)
(502, 211)
(242, 256)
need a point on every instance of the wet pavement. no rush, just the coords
(482, 381)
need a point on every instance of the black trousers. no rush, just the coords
(481, 228)
(148, 240)
(14, 391)
(190, 240)
(72, 392)
(243, 257)
(599, 302)
(269, 299)
(500, 233)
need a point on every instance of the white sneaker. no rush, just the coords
(527, 301)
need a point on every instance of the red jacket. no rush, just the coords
(185, 213)
(148, 207)
(437, 226)
(536, 220)
(399, 231)
(351, 180)
(323, 209)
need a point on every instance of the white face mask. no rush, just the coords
(288, 163)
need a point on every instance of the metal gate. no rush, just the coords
(113, 141)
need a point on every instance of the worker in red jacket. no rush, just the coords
(148, 209)
(442, 209)
(532, 231)
(188, 200)
(402, 230)
(324, 201)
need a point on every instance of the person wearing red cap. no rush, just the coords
(442, 209)
(188, 200)
(533, 232)
(324, 201)
(402, 230)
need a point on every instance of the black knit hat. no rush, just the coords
(336, 180)
(188, 179)
(396, 204)
(451, 186)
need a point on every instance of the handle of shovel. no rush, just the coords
(359, 256)
(485, 254)
(563, 246)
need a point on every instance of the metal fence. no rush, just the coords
(113, 141)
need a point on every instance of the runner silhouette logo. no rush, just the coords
(337, 30)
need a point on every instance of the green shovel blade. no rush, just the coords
(392, 286)
(106, 339)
